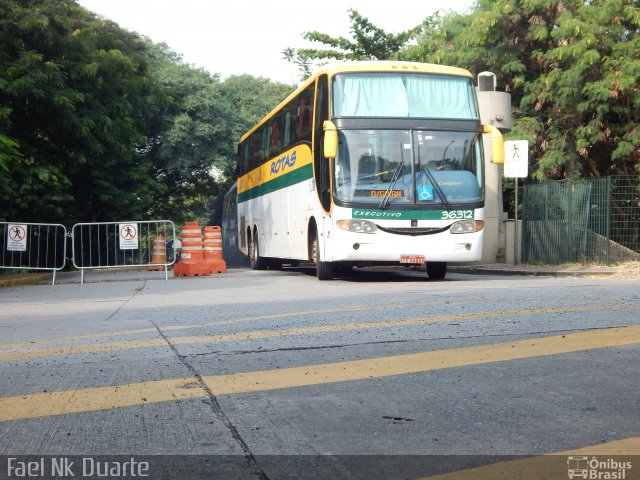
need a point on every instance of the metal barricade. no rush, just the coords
(33, 246)
(122, 245)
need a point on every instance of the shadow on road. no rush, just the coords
(371, 275)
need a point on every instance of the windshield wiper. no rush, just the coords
(394, 179)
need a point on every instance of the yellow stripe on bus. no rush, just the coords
(276, 167)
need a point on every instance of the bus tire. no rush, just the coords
(256, 261)
(324, 270)
(436, 270)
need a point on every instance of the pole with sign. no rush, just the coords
(516, 165)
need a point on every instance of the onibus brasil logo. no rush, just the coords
(596, 468)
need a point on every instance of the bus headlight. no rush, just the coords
(467, 226)
(357, 226)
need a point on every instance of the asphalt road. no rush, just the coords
(277, 375)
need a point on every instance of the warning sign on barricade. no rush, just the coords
(128, 236)
(17, 238)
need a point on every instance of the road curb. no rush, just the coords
(25, 279)
(532, 273)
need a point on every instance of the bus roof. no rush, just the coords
(392, 66)
(375, 66)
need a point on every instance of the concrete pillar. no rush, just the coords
(495, 109)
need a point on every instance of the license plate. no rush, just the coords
(413, 259)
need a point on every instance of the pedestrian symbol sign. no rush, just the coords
(128, 236)
(516, 158)
(17, 238)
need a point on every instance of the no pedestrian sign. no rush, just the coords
(516, 158)
(128, 236)
(17, 238)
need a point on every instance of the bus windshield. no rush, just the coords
(404, 95)
(419, 167)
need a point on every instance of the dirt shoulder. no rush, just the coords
(627, 271)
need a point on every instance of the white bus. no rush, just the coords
(367, 163)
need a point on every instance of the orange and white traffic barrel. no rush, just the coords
(212, 246)
(191, 262)
(158, 253)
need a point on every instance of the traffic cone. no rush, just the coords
(191, 262)
(159, 253)
(213, 250)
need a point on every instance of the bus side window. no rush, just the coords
(287, 140)
(266, 140)
(304, 114)
(243, 155)
(254, 154)
(276, 145)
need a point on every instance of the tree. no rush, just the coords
(295, 58)
(72, 93)
(370, 43)
(572, 67)
(10, 157)
(187, 137)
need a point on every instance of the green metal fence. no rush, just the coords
(586, 220)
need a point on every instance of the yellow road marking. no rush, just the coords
(135, 331)
(101, 398)
(98, 398)
(420, 362)
(274, 316)
(262, 334)
(351, 308)
(550, 466)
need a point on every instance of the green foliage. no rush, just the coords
(369, 43)
(10, 158)
(572, 68)
(100, 124)
(251, 98)
(304, 64)
(73, 89)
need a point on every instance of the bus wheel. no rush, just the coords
(256, 261)
(324, 270)
(436, 270)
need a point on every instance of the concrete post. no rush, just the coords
(495, 109)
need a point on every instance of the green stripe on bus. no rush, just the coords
(412, 214)
(291, 178)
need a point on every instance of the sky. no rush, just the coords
(233, 37)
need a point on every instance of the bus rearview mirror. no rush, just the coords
(330, 139)
(497, 144)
